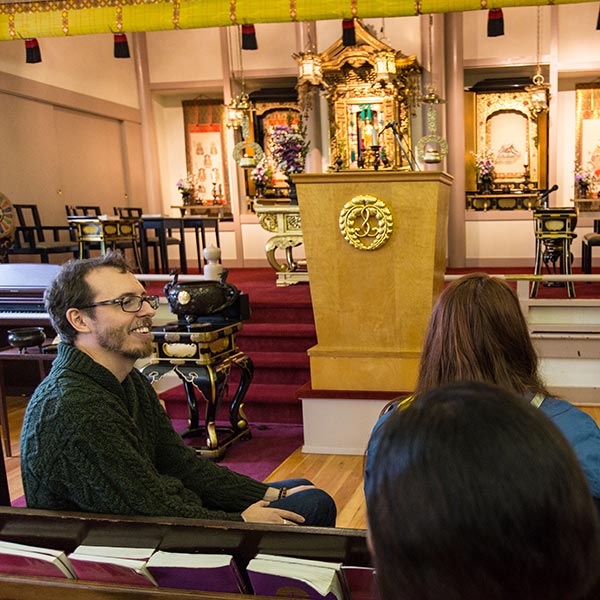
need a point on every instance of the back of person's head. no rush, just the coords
(477, 332)
(476, 495)
(70, 289)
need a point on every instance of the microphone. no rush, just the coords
(544, 195)
(391, 124)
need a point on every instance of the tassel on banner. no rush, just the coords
(249, 38)
(598, 21)
(121, 46)
(495, 25)
(348, 33)
(32, 51)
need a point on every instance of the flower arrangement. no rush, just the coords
(583, 176)
(484, 164)
(187, 187)
(289, 148)
(186, 184)
(261, 174)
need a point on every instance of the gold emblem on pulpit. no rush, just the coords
(366, 222)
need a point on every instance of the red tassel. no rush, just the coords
(495, 26)
(121, 46)
(348, 33)
(249, 38)
(33, 53)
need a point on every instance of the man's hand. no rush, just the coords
(260, 512)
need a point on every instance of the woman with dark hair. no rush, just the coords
(477, 332)
(475, 495)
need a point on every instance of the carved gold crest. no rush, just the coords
(366, 222)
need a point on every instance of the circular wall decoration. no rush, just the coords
(240, 154)
(366, 222)
(7, 221)
(7, 226)
(435, 139)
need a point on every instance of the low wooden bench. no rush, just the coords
(65, 531)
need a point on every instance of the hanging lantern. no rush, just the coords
(538, 95)
(310, 68)
(238, 110)
(385, 65)
(538, 92)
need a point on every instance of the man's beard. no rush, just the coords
(115, 339)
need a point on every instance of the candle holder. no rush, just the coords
(376, 160)
(526, 185)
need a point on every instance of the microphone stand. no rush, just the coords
(409, 159)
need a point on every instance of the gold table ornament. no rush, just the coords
(366, 222)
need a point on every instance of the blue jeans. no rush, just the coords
(316, 506)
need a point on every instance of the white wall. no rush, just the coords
(185, 55)
(83, 64)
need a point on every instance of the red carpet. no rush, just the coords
(270, 445)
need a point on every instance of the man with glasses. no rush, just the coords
(95, 437)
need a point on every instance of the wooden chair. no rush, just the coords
(588, 242)
(152, 241)
(30, 235)
(82, 211)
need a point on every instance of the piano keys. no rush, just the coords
(22, 289)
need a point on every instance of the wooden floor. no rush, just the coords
(340, 475)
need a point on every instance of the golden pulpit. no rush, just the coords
(375, 245)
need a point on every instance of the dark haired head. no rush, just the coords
(476, 495)
(477, 332)
(71, 290)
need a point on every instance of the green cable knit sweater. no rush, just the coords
(90, 443)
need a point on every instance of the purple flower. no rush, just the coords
(289, 148)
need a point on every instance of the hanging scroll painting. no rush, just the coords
(205, 152)
(587, 133)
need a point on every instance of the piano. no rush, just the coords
(22, 287)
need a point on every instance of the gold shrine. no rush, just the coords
(367, 87)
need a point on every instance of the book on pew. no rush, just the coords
(120, 542)
(20, 559)
(196, 571)
(272, 575)
(111, 569)
(359, 582)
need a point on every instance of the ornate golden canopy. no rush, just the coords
(362, 100)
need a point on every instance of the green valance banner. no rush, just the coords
(20, 20)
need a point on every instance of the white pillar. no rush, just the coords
(455, 111)
(148, 129)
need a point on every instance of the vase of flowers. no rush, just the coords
(187, 189)
(583, 180)
(485, 169)
(289, 148)
(261, 177)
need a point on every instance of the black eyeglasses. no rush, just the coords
(128, 303)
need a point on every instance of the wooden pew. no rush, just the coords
(65, 531)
